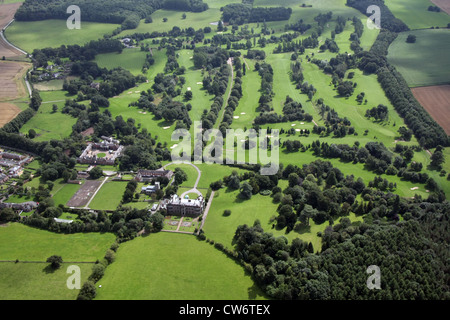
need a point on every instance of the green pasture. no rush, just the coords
(415, 14)
(36, 281)
(30, 35)
(425, 62)
(167, 266)
(18, 241)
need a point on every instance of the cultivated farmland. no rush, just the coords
(436, 100)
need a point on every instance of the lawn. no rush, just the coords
(425, 62)
(109, 196)
(415, 14)
(167, 266)
(30, 35)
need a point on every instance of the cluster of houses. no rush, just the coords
(108, 145)
(12, 164)
(53, 72)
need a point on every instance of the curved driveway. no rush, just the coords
(194, 189)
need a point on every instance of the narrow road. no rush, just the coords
(205, 213)
(199, 175)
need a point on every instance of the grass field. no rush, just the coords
(48, 124)
(109, 196)
(35, 281)
(64, 193)
(54, 33)
(130, 59)
(416, 15)
(167, 266)
(21, 242)
(221, 228)
(426, 62)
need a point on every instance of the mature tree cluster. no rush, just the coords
(238, 14)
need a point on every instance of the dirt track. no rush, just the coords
(436, 100)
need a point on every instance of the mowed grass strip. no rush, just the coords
(167, 266)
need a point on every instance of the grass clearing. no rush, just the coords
(167, 266)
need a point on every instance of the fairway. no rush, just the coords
(426, 62)
(167, 266)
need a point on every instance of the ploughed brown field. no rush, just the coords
(443, 4)
(436, 100)
(7, 12)
(11, 84)
(8, 111)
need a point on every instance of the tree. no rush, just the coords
(54, 108)
(307, 213)
(155, 223)
(31, 133)
(180, 176)
(437, 159)
(96, 173)
(55, 261)
(88, 291)
(188, 95)
(411, 38)
(331, 179)
(246, 190)
(110, 256)
(183, 16)
(8, 214)
(234, 182)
